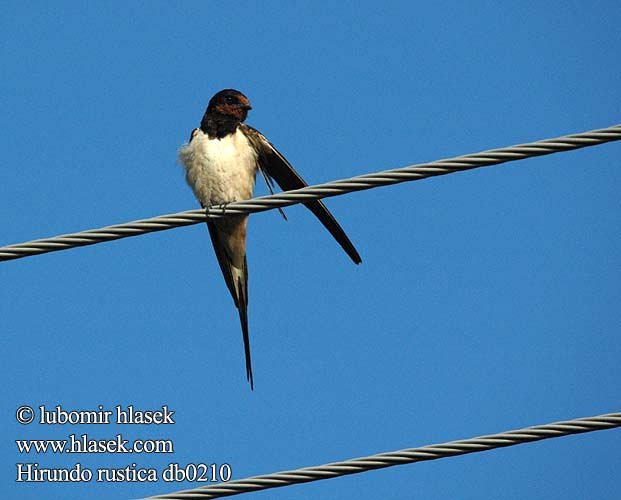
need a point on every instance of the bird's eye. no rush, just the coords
(230, 99)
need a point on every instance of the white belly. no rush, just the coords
(219, 170)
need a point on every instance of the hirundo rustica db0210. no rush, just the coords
(221, 161)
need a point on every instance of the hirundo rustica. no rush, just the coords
(221, 160)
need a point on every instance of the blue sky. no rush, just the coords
(486, 300)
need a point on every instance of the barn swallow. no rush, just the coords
(221, 161)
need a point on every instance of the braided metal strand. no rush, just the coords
(359, 183)
(411, 455)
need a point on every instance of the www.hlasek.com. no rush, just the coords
(83, 444)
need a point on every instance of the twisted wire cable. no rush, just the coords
(335, 188)
(411, 455)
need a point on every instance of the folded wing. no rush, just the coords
(274, 165)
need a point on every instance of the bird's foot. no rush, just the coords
(222, 207)
(215, 210)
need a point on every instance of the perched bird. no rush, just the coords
(221, 160)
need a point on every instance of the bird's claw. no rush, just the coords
(215, 209)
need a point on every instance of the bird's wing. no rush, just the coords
(193, 133)
(229, 241)
(275, 166)
(269, 182)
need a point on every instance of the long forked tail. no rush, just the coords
(236, 277)
(242, 308)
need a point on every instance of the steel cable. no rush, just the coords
(359, 183)
(411, 455)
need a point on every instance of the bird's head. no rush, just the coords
(229, 103)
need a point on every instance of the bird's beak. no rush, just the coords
(247, 107)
